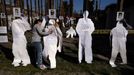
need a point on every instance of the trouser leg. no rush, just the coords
(80, 52)
(16, 54)
(71, 35)
(67, 35)
(88, 52)
(113, 55)
(123, 53)
(52, 59)
(38, 47)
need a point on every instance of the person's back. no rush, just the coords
(35, 37)
(50, 45)
(119, 31)
(16, 30)
(19, 43)
(119, 37)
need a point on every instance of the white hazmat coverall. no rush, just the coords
(85, 28)
(51, 42)
(71, 32)
(19, 26)
(119, 35)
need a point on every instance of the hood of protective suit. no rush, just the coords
(26, 24)
(85, 14)
(119, 25)
(71, 27)
(57, 20)
(22, 24)
(51, 21)
(120, 28)
(43, 23)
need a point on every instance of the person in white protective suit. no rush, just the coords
(19, 27)
(119, 38)
(70, 32)
(52, 43)
(60, 35)
(85, 28)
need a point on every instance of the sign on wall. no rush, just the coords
(3, 29)
(3, 37)
(16, 12)
(120, 16)
(52, 13)
(2, 15)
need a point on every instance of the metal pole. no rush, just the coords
(45, 7)
(31, 12)
(28, 10)
(0, 11)
(0, 21)
(6, 14)
(10, 6)
(61, 8)
(56, 6)
(39, 8)
(35, 6)
(14, 2)
(121, 5)
(22, 5)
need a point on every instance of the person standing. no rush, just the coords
(36, 40)
(19, 27)
(52, 43)
(85, 28)
(119, 38)
(70, 32)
